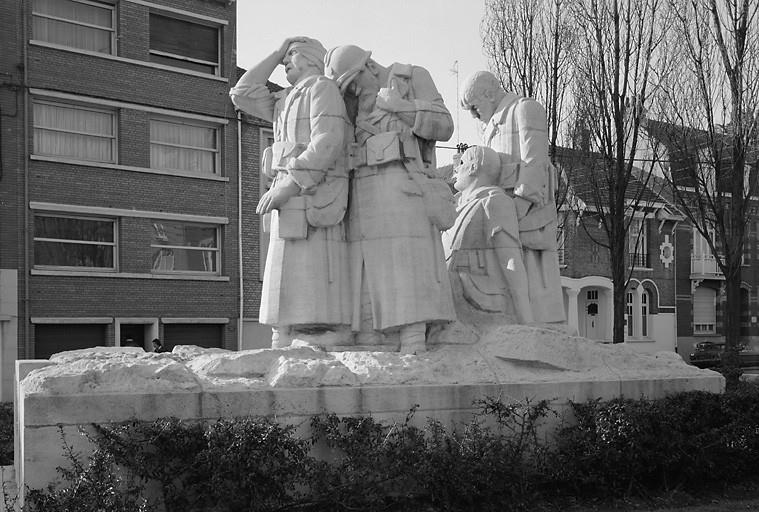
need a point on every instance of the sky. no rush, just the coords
(430, 33)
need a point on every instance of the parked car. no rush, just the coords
(708, 354)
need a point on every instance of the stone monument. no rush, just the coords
(306, 292)
(500, 245)
(398, 203)
(482, 249)
(515, 127)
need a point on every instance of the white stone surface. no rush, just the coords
(508, 353)
(514, 362)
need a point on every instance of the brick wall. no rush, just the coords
(251, 222)
(108, 78)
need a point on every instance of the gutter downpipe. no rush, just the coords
(25, 45)
(240, 323)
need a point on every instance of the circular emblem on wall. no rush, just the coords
(666, 252)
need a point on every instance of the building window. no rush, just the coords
(75, 23)
(638, 243)
(184, 44)
(704, 310)
(629, 320)
(80, 243)
(74, 131)
(644, 310)
(183, 146)
(185, 247)
(561, 241)
(264, 184)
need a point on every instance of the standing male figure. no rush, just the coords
(306, 281)
(396, 210)
(516, 127)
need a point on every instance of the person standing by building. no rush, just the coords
(306, 280)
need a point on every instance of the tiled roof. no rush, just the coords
(586, 174)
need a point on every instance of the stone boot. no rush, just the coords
(413, 338)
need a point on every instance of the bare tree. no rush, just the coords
(711, 133)
(529, 47)
(616, 70)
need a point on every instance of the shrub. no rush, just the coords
(497, 461)
(683, 441)
(229, 465)
(6, 433)
(95, 487)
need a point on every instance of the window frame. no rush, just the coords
(219, 135)
(217, 66)
(216, 250)
(78, 106)
(561, 240)
(112, 29)
(637, 241)
(115, 244)
(705, 327)
(629, 314)
(264, 184)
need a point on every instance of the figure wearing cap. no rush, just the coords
(306, 280)
(482, 249)
(396, 213)
(515, 127)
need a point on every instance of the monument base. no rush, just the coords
(513, 363)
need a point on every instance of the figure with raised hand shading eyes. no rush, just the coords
(306, 280)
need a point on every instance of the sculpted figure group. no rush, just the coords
(367, 244)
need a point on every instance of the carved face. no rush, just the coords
(481, 107)
(297, 66)
(463, 176)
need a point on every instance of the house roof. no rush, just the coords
(687, 148)
(586, 174)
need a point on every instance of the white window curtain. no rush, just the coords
(704, 310)
(180, 247)
(74, 132)
(78, 24)
(183, 147)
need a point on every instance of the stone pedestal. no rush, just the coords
(79, 388)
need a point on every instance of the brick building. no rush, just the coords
(119, 192)
(699, 282)
(586, 277)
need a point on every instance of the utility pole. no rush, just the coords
(455, 71)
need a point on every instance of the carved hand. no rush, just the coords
(273, 199)
(286, 44)
(390, 100)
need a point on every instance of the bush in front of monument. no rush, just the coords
(503, 459)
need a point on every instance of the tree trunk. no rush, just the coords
(732, 328)
(619, 282)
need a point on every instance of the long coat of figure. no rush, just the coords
(486, 221)
(306, 280)
(395, 249)
(518, 130)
